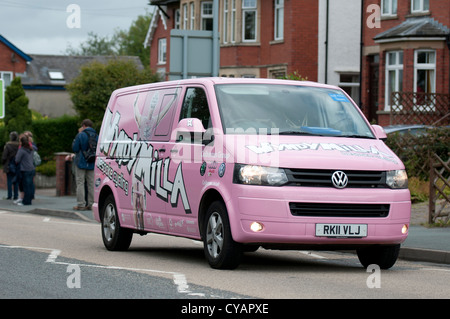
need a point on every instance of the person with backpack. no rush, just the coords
(9, 165)
(84, 146)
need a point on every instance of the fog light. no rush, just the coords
(256, 227)
(405, 229)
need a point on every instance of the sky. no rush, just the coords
(51, 26)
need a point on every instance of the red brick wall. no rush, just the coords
(5, 60)
(160, 33)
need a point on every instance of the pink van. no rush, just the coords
(248, 163)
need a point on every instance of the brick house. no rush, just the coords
(409, 51)
(319, 40)
(13, 61)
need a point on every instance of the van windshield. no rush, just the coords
(288, 110)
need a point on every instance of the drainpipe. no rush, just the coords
(326, 41)
(361, 44)
(448, 46)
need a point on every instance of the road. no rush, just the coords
(50, 257)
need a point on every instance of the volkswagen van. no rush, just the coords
(246, 163)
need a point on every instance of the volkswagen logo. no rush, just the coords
(339, 179)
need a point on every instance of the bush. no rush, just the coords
(415, 150)
(54, 135)
(47, 169)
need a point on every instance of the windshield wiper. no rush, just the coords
(299, 133)
(357, 136)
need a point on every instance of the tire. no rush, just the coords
(115, 237)
(383, 256)
(221, 251)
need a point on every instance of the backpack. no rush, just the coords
(36, 159)
(89, 154)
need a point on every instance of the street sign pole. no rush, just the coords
(2, 99)
(216, 44)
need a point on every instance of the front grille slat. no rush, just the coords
(339, 210)
(322, 178)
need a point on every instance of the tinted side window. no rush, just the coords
(195, 105)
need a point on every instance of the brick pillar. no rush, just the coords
(63, 175)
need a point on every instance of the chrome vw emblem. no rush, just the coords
(339, 179)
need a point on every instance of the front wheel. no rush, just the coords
(221, 251)
(114, 236)
(383, 256)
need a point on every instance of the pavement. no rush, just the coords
(426, 244)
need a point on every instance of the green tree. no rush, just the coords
(91, 89)
(131, 42)
(94, 45)
(17, 114)
(123, 42)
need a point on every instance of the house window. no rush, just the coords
(424, 75)
(7, 78)
(233, 21)
(207, 15)
(249, 20)
(349, 82)
(192, 19)
(394, 75)
(177, 19)
(225, 21)
(162, 48)
(420, 6)
(388, 7)
(279, 20)
(185, 16)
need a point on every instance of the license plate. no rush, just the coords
(341, 230)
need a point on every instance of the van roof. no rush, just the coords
(222, 80)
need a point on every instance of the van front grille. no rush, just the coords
(322, 178)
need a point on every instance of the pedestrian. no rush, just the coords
(84, 170)
(35, 149)
(9, 165)
(24, 159)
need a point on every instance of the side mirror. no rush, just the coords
(379, 132)
(190, 130)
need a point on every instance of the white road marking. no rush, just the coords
(179, 279)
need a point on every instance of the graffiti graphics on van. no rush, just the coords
(143, 163)
(353, 150)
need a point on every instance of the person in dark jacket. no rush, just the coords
(9, 165)
(84, 171)
(24, 159)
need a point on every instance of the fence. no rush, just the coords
(439, 208)
(420, 108)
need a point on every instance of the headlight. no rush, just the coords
(259, 175)
(397, 179)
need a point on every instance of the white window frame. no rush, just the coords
(185, 16)
(162, 51)
(421, 104)
(204, 15)
(279, 20)
(233, 21)
(177, 19)
(192, 16)
(250, 6)
(389, 8)
(421, 6)
(397, 68)
(2, 76)
(226, 6)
